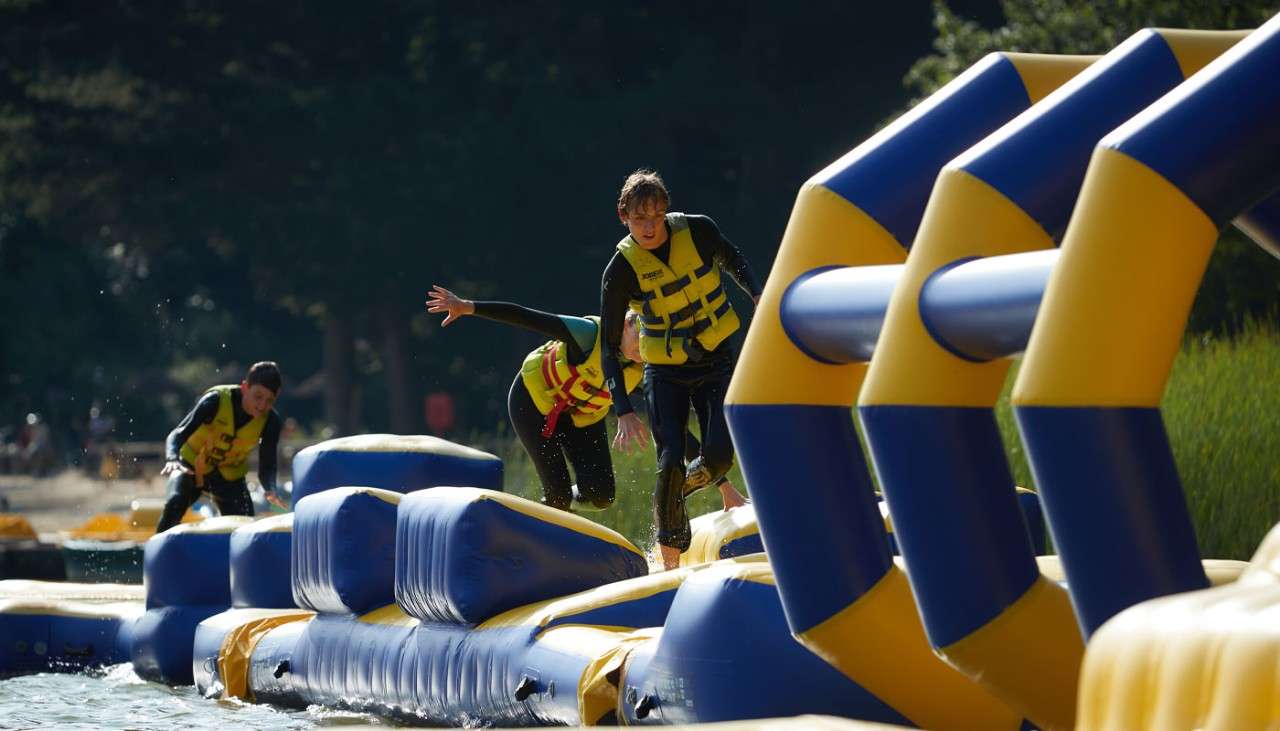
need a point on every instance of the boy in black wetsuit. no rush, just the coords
(669, 270)
(558, 402)
(209, 450)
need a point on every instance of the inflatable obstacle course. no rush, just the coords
(1029, 206)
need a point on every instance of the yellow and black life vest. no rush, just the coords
(219, 444)
(681, 301)
(556, 386)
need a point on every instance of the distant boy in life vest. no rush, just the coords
(209, 450)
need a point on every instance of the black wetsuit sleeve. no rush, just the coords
(268, 450)
(544, 323)
(712, 245)
(205, 409)
(618, 287)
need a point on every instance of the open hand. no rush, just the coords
(442, 300)
(632, 433)
(174, 467)
(276, 500)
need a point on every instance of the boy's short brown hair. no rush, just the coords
(640, 187)
(265, 373)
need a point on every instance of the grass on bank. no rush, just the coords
(632, 511)
(1221, 410)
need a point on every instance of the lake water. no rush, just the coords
(116, 698)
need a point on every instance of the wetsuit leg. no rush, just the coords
(588, 450)
(546, 454)
(708, 403)
(232, 498)
(181, 494)
(669, 413)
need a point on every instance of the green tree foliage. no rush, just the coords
(1067, 26)
(1242, 281)
(213, 183)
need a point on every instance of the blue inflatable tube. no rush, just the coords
(187, 573)
(260, 563)
(163, 641)
(980, 308)
(65, 627)
(392, 462)
(66, 637)
(271, 667)
(464, 555)
(523, 667)
(344, 549)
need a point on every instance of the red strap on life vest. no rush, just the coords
(562, 401)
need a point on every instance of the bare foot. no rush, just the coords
(730, 495)
(670, 557)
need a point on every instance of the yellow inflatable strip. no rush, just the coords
(796, 723)
(1116, 303)
(713, 531)
(883, 623)
(543, 613)
(72, 608)
(1028, 678)
(391, 614)
(53, 590)
(824, 230)
(404, 443)
(237, 649)
(1194, 49)
(1200, 660)
(966, 217)
(211, 526)
(1219, 570)
(1042, 73)
(598, 689)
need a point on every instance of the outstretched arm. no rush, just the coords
(577, 333)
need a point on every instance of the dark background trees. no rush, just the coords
(188, 187)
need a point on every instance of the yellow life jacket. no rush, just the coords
(556, 386)
(219, 445)
(682, 301)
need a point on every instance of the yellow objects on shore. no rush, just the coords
(14, 527)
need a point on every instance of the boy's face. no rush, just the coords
(646, 221)
(257, 399)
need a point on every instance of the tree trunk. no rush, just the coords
(402, 397)
(339, 365)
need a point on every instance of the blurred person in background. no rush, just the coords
(38, 455)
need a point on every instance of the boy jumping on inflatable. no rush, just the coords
(558, 401)
(668, 268)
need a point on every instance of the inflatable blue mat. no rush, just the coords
(344, 550)
(187, 573)
(260, 558)
(464, 555)
(392, 462)
(54, 626)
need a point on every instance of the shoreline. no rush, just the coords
(67, 499)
